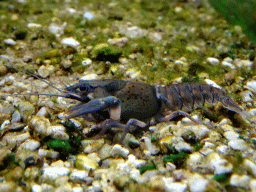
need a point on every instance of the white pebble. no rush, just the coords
(90, 77)
(70, 41)
(240, 180)
(250, 167)
(252, 112)
(154, 150)
(212, 83)
(238, 144)
(176, 186)
(231, 135)
(222, 149)
(88, 16)
(197, 183)
(212, 60)
(77, 189)
(10, 42)
(218, 165)
(36, 188)
(119, 150)
(86, 62)
(252, 185)
(54, 172)
(183, 146)
(42, 112)
(224, 63)
(30, 144)
(34, 25)
(247, 96)
(251, 84)
(245, 63)
(78, 174)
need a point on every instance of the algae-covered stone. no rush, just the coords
(121, 182)
(26, 109)
(41, 126)
(106, 52)
(14, 175)
(52, 53)
(84, 162)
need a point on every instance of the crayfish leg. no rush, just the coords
(128, 127)
(180, 113)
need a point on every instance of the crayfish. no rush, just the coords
(127, 105)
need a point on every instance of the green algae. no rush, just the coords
(147, 167)
(177, 159)
(66, 147)
(221, 177)
(238, 13)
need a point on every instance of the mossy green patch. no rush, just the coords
(9, 162)
(221, 177)
(67, 147)
(177, 159)
(105, 52)
(238, 13)
(147, 167)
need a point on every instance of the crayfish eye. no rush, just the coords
(84, 88)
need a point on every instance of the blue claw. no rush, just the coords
(93, 106)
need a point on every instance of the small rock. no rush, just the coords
(240, 181)
(77, 175)
(251, 84)
(217, 164)
(119, 150)
(252, 185)
(41, 126)
(36, 188)
(121, 182)
(48, 153)
(247, 96)
(31, 173)
(3, 70)
(238, 144)
(176, 186)
(14, 174)
(26, 109)
(70, 41)
(183, 147)
(43, 71)
(34, 25)
(250, 167)
(15, 139)
(120, 42)
(42, 112)
(27, 59)
(30, 144)
(194, 160)
(231, 135)
(10, 42)
(53, 173)
(224, 63)
(16, 117)
(8, 186)
(84, 162)
(212, 83)
(245, 63)
(65, 63)
(88, 16)
(86, 62)
(56, 29)
(197, 183)
(90, 77)
(222, 149)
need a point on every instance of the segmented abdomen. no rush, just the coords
(189, 94)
